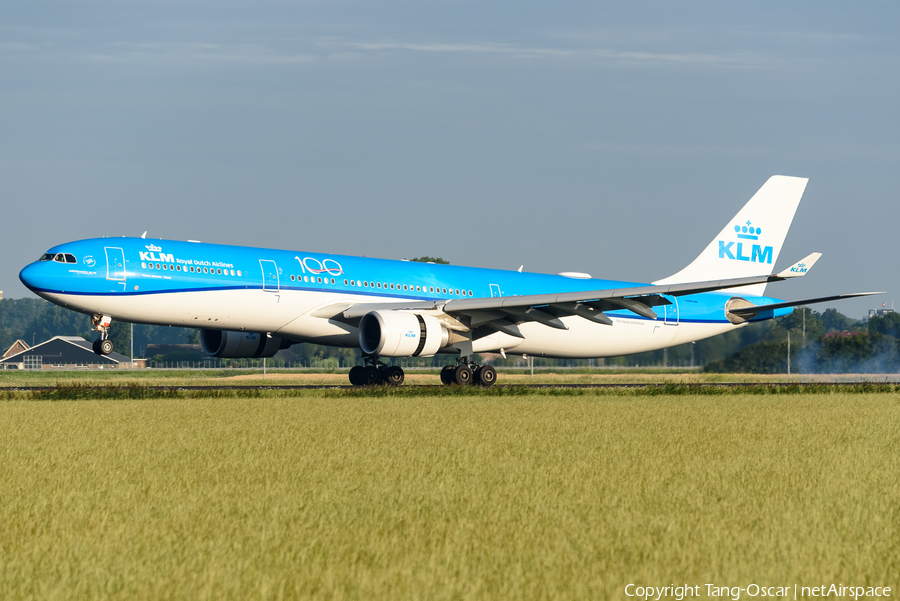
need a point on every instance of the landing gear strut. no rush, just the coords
(374, 372)
(467, 372)
(101, 323)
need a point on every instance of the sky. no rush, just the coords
(610, 138)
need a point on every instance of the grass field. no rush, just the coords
(241, 377)
(464, 497)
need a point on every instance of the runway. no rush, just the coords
(813, 386)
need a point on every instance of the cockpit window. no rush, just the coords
(59, 257)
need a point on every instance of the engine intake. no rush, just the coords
(401, 334)
(240, 345)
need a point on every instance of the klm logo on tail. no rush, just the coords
(799, 268)
(735, 250)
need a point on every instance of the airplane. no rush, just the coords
(253, 302)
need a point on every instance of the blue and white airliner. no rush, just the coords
(252, 302)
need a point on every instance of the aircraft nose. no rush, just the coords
(34, 276)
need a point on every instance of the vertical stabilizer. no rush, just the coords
(750, 243)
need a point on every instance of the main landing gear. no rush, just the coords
(101, 323)
(374, 372)
(467, 372)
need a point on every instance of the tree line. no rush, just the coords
(827, 342)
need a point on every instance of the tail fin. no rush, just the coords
(750, 243)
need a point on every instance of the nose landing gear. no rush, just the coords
(101, 323)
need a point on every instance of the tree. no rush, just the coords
(887, 325)
(16, 315)
(760, 358)
(56, 321)
(794, 322)
(120, 335)
(843, 352)
(427, 259)
(834, 321)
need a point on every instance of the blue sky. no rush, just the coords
(611, 138)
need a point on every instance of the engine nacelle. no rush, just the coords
(401, 334)
(240, 345)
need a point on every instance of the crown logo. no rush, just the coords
(748, 232)
(153, 248)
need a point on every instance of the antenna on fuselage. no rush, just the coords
(520, 268)
(144, 235)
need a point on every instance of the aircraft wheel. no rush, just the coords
(447, 374)
(393, 375)
(463, 375)
(487, 375)
(106, 346)
(371, 376)
(356, 373)
(96, 347)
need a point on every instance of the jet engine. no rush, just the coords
(401, 334)
(240, 345)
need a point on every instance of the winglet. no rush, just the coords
(800, 268)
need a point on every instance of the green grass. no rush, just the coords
(508, 376)
(139, 390)
(528, 496)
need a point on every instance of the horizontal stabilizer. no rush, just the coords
(800, 268)
(808, 301)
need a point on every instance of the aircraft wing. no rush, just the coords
(503, 313)
(754, 309)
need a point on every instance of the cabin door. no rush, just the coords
(115, 264)
(671, 318)
(271, 282)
